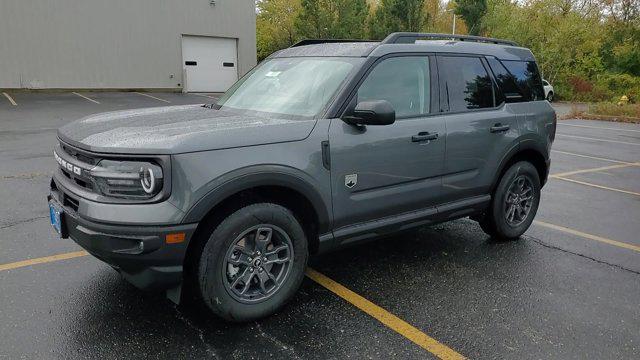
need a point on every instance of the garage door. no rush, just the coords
(210, 63)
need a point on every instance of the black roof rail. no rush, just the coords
(410, 38)
(327, 41)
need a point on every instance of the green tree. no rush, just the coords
(326, 19)
(275, 25)
(472, 12)
(397, 15)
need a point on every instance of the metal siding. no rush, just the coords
(113, 44)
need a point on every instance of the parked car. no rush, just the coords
(548, 90)
(323, 144)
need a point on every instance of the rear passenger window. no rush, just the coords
(518, 80)
(402, 81)
(468, 85)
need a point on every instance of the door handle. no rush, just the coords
(424, 136)
(499, 128)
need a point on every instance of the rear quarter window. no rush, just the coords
(517, 80)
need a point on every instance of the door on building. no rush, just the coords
(210, 63)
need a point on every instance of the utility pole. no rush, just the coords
(453, 30)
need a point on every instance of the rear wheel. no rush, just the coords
(514, 203)
(253, 262)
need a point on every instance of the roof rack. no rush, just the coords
(410, 38)
(326, 41)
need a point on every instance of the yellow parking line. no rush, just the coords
(395, 323)
(42, 260)
(85, 97)
(599, 127)
(594, 185)
(620, 166)
(598, 139)
(153, 97)
(13, 102)
(590, 157)
(588, 236)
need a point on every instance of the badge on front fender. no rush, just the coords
(351, 180)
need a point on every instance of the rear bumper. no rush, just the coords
(140, 253)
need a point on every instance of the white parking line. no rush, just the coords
(87, 98)
(203, 95)
(13, 102)
(597, 139)
(153, 97)
(598, 127)
(591, 157)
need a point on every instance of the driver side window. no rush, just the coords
(402, 81)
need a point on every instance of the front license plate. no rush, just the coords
(55, 215)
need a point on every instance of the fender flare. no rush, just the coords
(522, 145)
(254, 176)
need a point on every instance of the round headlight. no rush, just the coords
(147, 180)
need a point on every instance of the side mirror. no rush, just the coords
(372, 112)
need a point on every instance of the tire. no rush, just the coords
(504, 222)
(550, 96)
(230, 256)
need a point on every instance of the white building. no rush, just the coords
(195, 45)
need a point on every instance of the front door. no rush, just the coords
(385, 170)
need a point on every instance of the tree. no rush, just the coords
(275, 25)
(397, 15)
(326, 19)
(472, 12)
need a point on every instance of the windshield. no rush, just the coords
(297, 87)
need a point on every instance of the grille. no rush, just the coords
(79, 155)
(78, 163)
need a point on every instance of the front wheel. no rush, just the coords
(514, 203)
(253, 262)
(550, 96)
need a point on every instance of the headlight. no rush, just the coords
(128, 179)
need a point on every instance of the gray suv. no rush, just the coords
(324, 144)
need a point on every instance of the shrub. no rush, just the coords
(621, 84)
(612, 109)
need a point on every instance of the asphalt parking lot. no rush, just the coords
(570, 288)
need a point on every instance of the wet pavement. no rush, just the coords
(568, 292)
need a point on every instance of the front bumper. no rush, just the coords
(140, 253)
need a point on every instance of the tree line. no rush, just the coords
(588, 49)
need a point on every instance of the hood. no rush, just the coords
(178, 129)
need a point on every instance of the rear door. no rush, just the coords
(480, 128)
(381, 171)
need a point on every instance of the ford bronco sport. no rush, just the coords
(323, 144)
